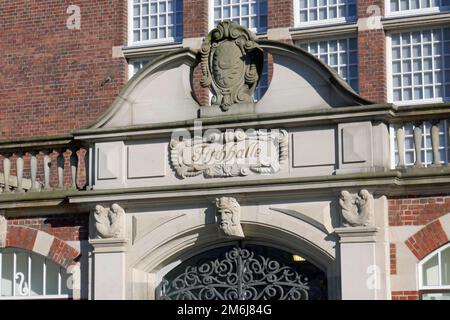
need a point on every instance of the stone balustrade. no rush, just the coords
(30, 167)
(420, 143)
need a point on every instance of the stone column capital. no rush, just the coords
(110, 245)
(356, 234)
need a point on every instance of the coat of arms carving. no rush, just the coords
(231, 64)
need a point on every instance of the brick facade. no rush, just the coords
(281, 14)
(65, 227)
(59, 252)
(368, 8)
(393, 257)
(418, 210)
(405, 295)
(427, 239)
(372, 65)
(195, 18)
(54, 79)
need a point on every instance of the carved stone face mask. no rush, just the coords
(226, 220)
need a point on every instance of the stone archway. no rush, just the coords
(181, 238)
(244, 270)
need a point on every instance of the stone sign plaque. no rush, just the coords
(229, 154)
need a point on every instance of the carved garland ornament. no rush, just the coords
(231, 64)
(230, 154)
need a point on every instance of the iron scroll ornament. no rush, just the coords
(241, 275)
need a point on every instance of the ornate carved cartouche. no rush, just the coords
(231, 64)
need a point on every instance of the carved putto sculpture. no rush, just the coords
(109, 222)
(3, 229)
(228, 213)
(357, 209)
(231, 64)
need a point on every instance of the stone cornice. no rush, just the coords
(136, 52)
(35, 142)
(421, 181)
(323, 31)
(415, 21)
(388, 113)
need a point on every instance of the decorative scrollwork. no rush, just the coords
(241, 275)
(230, 154)
(231, 63)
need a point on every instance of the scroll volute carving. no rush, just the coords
(231, 64)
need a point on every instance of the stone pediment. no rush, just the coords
(230, 61)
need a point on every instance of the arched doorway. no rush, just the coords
(244, 271)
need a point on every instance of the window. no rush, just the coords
(264, 82)
(340, 54)
(324, 11)
(401, 7)
(426, 146)
(250, 14)
(135, 66)
(156, 21)
(420, 66)
(434, 275)
(24, 275)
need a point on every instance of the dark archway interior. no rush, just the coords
(244, 271)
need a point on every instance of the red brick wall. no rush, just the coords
(25, 237)
(372, 65)
(51, 77)
(371, 55)
(280, 14)
(427, 239)
(417, 211)
(69, 227)
(195, 18)
(393, 258)
(405, 295)
(363, 5)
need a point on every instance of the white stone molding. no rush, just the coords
(357, 209)
(228, 213)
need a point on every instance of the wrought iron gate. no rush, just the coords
(243, 273)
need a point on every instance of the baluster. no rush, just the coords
(74, 168)
(418, 144)
(6, 170)
(435, 142)
(60, 166)
(47, 165)
(401, 146)
(19, 169)
(33, 170)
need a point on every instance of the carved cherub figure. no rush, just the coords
(357, 210)
(109, 223)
